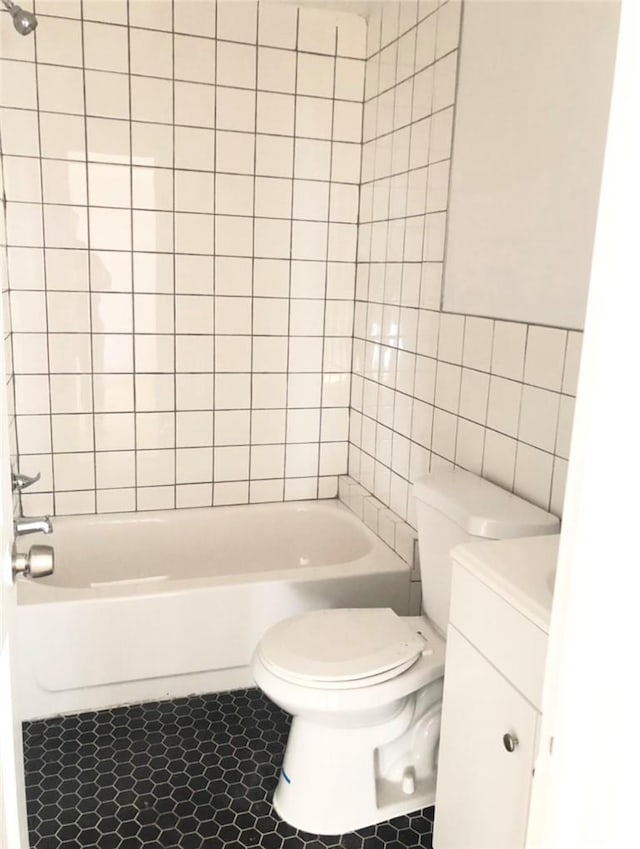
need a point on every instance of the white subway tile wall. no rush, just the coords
(431, 388)
(181, 184)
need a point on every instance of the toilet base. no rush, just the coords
(335, 780)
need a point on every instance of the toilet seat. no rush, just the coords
(341, 649)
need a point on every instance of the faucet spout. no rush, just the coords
(23, 525)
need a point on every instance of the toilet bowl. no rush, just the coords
(364, 686)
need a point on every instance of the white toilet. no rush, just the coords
(364, 686)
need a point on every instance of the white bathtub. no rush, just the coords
(165, 604)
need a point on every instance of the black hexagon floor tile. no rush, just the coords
(195, 773)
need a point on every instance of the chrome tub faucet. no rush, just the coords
(24, 525)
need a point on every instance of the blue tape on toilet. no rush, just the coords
(286, 777)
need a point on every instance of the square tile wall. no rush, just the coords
(182, 216)
(432, 388)
(181, 184)
(7, 427)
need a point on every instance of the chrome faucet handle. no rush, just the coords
(38, 563)
(20, 481)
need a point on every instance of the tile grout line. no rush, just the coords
(290, 269)
(326, 275)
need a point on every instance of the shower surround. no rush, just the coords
(184, 210)
(182, 197)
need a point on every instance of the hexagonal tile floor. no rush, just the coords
(194, 773)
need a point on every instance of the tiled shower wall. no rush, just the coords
(221, 374)
(6, 341)
(182, 195)
(433, 388)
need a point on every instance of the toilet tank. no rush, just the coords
(455, 506)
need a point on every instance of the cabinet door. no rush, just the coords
(482, 791)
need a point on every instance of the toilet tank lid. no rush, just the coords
(481, 508)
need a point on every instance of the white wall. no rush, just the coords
(586, 778)
(531, 118)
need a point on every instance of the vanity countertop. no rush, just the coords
(522, 571)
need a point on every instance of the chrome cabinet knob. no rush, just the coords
(38, 563)
(510, 742)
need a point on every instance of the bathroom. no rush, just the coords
(236, 247)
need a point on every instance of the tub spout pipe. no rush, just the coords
(23, 525)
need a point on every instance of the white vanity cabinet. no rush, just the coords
(494, 668)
